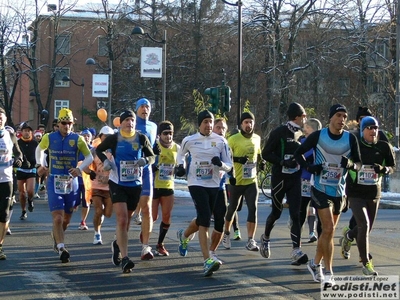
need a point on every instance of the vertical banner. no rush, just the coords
(151, 62)
(100, 85)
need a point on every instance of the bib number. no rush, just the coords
(249, 171)
(367, 175)
(331, 174)
(129, 171)
(204, 171)
(62, 184)
(305, 188)
(166, 172)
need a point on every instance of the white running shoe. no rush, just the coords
(226, 241)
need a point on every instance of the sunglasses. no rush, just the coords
(66, 123)
(372, 127)
(167, 133)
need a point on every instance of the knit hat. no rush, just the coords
(92, 131)
(295, 110)
(246, 115)
(363, 111)
(86, 132)
(26, 126)
(165, 125)
(126, 114)
(65, 115)
(367, 121)
(143, 101)
(204, 115)
(336, 108)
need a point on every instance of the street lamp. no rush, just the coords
(140, 31)
(91, 62)
(66, 78)
(239, 4)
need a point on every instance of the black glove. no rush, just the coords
(17, 163)
(289, 163)
(232, 180)
(156, 149)
(154, 168)
(314, 169)
(180, 171)
(380, 169)
(262, 166)
(216, 161)
(346, 163)
(241, 159)
(92, 175)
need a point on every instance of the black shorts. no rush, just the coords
(24, 176)
(124, 194)
(6, 202)
(321, 200)
(158, 193)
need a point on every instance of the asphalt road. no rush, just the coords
(33, 271)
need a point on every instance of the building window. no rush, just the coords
(344, 86)
(60, 73)
(58, 104)
(63, 44)
(103, 50)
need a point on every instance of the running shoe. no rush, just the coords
(328, 280)
(146, 253)
(64, 255)
(298, 257)
(346, 243)
(161, 251)
(226, 241)
(83, 226)
(315, 270)
(252, 245)
(8, 231)
(312, 238)
(97, 239)
(36, 196)
(137, 219)
(2, 255)
(237, 236)
(127, 265)
(265, 248)
(23, 215)
(42, 187)
(116, 254)
(183, 242)
(368, 269)
(30, 205)
(214, 256)
(210, 266)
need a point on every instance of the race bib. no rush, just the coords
(166, 172)
(249, 171)
(62, 184)
(367, 175)
(286, 170)
(305, 188)
(3, 155)
(129, 171)
(331, 174)
(204, 171)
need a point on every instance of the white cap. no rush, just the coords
(106, 130)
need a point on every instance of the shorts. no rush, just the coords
(158, 193)
(104, 194)
(321, 200)
(147, 182)
(125, 194)
(24, 176)
(64, 202)
(6, 202)
(204, 201)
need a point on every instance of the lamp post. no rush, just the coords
(66, 78)
(239, 4)
(90, 62)
(140, 31)
(397, 101)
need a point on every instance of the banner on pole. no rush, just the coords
(100, 85)
(151, 62)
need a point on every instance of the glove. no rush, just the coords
(17, 163)
(156, 149)
(241, 160)
(92, 175)
(314, 169)
(141, 162)
(346, 163)
(232, 180)
(263, 165)
(180, 171)
(26, 164)
(380, 169)
(289, 163)
(107, 165)
(216, 161)
(154, 168)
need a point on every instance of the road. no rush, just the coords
(33, 271)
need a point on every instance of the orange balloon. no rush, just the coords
(116, 122)
(102, 114)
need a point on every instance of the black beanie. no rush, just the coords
(203, 115)
(295, 110)
(246, 115)
(164, 125)
(126, 114)
(363, 111)
(335, 108)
